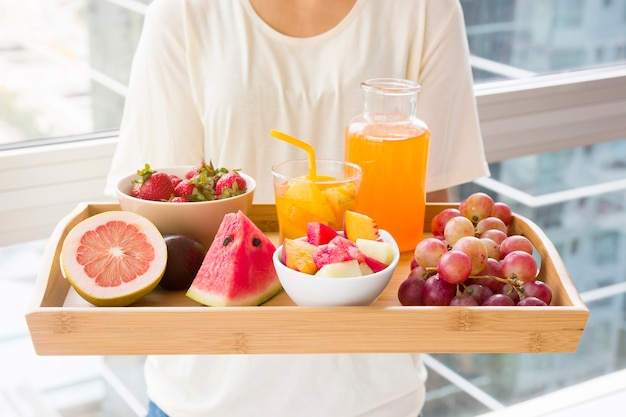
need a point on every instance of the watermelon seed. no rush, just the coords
(256, 241)
(228, 239)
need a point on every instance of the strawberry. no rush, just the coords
(184, 188)
(175, 179)
(230, 185)
(156, 186)
(179, 200)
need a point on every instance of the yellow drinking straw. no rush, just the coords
(300, 144)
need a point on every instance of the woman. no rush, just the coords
(211, 78)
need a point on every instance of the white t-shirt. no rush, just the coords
(210, 80)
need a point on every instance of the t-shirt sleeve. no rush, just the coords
(161, 124)
(446, 101)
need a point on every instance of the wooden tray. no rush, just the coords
(62, 323)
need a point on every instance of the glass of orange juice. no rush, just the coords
(301, 199)
(390, 144)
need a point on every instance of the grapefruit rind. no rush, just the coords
(126, 292)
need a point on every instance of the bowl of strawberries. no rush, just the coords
(189, 200)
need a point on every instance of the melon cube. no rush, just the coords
(365, 269)
(377, 249)
(344, 269)
(359, 226)
(298, 255)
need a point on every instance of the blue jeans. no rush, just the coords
(155, 411)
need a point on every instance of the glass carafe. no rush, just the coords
(390, 143)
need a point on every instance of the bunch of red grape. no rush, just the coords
(472, 260)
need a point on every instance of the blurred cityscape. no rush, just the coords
(64, 67)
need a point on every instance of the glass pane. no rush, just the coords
(539, 37)
(64, 66)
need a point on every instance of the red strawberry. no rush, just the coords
(230, 185)
(184, 188)
(175, 179)
(179, 200)
(156, 186)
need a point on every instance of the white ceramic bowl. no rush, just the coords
(311, 290)
(199, 220)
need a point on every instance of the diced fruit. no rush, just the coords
(365, 269)
(344, 269)
(337, 250)
(318, 233)
(307, 197)
(359, 226)
(381, 251)
(298, 255)
(374, 264)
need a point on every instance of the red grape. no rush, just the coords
(428, 251)
(410, 291)
(456, 228)
(509, 291)
(519, 265)
(479, 292)
(515, 242)
(503, 211)
(438, 223)
(477, 207)
(493, 249)
(531, 302)
(438, 292)
(463, 300)
(496, 235)
(499, 300)
(454, 266)
(475, 249)
(490, 223)
(538, 289)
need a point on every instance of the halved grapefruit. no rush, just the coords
(114, 258)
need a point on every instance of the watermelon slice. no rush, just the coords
(237, 269)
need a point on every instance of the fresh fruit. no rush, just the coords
(439, 221)
(410, 291)
(477, 207)
(428, 251)
(201, 183)
(344, 269)
(184, 257)
(373, 264)
(337, 250)
(454, 266)
(318, 233)
(381, 251)
(503, 269)
(519, 266)
(114, 258)
(456, 228)
(230, 184)
(359, 226)
(152, 185)
(238, 269)
(298, 255)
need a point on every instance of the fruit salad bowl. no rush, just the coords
(312, 290)
(197, 219)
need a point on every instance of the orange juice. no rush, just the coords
(394, 160)
(301, 199)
